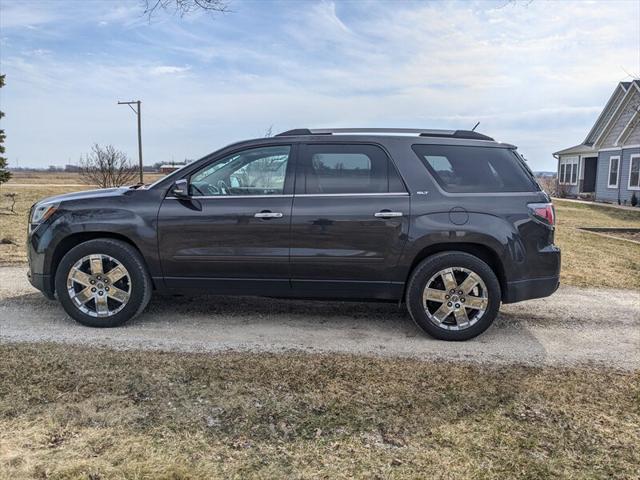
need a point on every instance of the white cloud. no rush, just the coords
(535, 76)
(25, 15)
(168, 70)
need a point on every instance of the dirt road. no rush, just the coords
(574, 326)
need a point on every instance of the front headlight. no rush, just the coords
(40, 212)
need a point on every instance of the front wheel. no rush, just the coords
(453, 296)
(103, 283)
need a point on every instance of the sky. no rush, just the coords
(535, 74)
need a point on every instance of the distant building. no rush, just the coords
(169, 168)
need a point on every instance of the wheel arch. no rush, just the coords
(483, 252)
(75, 239)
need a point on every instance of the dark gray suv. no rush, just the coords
(451, 222)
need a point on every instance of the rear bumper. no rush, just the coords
(531, 288)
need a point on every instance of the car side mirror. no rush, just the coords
(181, 189)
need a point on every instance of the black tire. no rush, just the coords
(430, 267)
(141, 286)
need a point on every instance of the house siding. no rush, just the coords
(606, 194)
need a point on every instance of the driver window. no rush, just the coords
(258, 171)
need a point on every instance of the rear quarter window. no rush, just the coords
(463, 169)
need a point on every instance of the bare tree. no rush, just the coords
(106, 167)
(184, 7)
(12, 198)
(563, 190)
(548, 184)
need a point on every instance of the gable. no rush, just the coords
(608, 112)
(625, 111)
(633, 137)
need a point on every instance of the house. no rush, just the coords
(606, 166)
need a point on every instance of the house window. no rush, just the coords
(568, 174)
(634, 173)
(614, 164)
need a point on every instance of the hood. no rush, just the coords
(86, 194)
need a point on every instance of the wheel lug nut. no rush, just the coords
(462, 299)
(457, 305)
(448, 304)
(447, 297)
(106, 288)
(93, 289)
(460, 292)
(100, 292)
(92, 282)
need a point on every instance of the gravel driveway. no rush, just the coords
(574, 326)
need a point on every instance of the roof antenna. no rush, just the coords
(475, 126)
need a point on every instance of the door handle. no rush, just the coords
(387, 214)
(268, 215)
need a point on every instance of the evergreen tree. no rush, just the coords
(5, 174)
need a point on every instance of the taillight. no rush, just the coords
(543, 212)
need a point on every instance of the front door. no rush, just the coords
(233, 233)
(590, 170)
(349, 223)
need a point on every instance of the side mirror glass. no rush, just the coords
(181, 189)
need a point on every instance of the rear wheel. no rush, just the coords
(453, 296)
(103, 283)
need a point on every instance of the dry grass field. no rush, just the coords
(72, 413)
(61, 178)
(587, 259)
(13, 227)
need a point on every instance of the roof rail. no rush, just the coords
(468, 134)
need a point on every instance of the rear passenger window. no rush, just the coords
(337, 169)
(462, 169)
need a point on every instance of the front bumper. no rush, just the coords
(36, 273)
(44, 283)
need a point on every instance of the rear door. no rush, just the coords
(350, 221)
(233, 233)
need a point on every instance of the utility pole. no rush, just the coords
(138, 113)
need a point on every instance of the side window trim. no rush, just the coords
(435, 180)
(300, 177)
(289, 180)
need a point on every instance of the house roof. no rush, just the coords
(581, 148)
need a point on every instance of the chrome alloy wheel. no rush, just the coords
(455, 298)
(99, 285)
